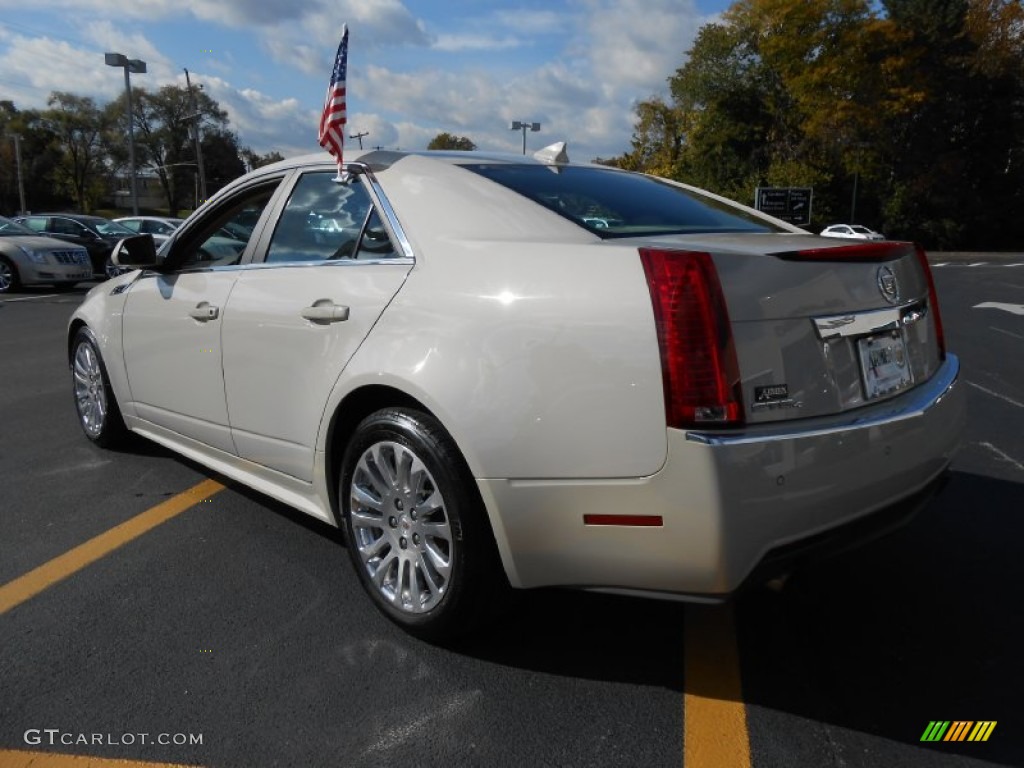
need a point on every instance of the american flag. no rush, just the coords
(333, 119)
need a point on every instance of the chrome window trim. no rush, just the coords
(910, 405)
(382, 202)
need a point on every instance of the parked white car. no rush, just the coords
(27, 258)
(852, 232)
(160, 227)
(495, 370)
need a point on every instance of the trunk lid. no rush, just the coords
(822, 326)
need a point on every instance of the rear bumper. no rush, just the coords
(730, 502)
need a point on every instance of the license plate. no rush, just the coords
(884, 365)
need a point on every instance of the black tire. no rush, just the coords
(9, 280)
(97, 409)
(397, 461)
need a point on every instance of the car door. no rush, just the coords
(172, 326)
(329, 267)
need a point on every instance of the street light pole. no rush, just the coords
(523, 126)
(138, 67)
(17, 163)
(199, 146)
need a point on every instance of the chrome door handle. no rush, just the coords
(323, 312)
(204, 312)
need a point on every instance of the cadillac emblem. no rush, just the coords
(887, 285)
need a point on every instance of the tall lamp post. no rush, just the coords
(521, 126)
(138, 67)
(17, 162)
(199, 145)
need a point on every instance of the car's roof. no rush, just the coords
(75, 216)
(379, 159)
(148, 218)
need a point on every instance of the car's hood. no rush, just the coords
(39, 243)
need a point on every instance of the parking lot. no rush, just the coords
(223, 629)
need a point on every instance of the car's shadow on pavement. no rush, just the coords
(924, 625)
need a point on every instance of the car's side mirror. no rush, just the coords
(138, 252)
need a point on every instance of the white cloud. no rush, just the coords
(578, 66)
(475, 43)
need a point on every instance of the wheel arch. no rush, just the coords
(74, 326)
(360, 403)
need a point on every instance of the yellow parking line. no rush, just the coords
(714, 715)
(10, 758)
(46, 575)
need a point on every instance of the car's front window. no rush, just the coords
(613, 203)
(112, 228)
(133, 224)
(10, 228)
(211, 244)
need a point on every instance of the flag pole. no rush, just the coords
(331, 135)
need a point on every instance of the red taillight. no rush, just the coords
(698, 357)
(933, 300)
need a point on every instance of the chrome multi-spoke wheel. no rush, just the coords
(94, 400)
(8, 277)
(401, 527)
(418, 534)
(90, 389)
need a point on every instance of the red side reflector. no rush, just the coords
(640, 521)
(858, 252)
(700, 371)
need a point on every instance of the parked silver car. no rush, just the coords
(27, 258)
(496, 370)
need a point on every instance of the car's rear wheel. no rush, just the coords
(8, 276)
(97, 409)
(417, 533)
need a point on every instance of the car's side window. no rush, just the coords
(66, 227)
(37, 223)
(132, 224)
(375, 243)
(221, 238)
(325, 220)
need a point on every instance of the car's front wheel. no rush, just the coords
(417, 532)
(97, 409)
(8, 276)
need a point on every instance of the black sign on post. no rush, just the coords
(791, 204)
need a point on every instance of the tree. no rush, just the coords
(253, 160)
(450, 141)
(915, 115)
(163, 136)
(77, 125)
(222, 158)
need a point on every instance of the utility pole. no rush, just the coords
(199, 148)
(17, 162)
(359, 136)
(138, 67)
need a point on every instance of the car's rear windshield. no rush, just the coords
(613, 203)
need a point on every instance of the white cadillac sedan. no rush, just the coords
(497, 370)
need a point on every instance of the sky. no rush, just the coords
(415, 68)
